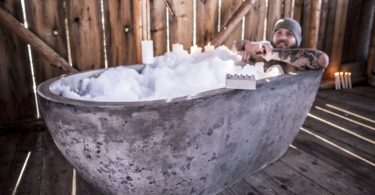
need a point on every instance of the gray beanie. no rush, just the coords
(293, 26)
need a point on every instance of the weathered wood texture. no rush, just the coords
(207, 22)
(342, 29)
(46, 20)
(159, 26)
(321, 160)
(228, 8)
(338, 38)
(181, 26)
(254, 22)
(120, 32)
(16, 98)
(86, 34)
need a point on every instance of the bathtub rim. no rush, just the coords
(43, 90)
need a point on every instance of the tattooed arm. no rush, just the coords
(301, 58)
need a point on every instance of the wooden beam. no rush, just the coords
(38, 45)
(316, 6)
(236, 18)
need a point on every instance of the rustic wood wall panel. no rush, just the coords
(351, 31)
(314, 23)
(228, 7)
(181, 26)
(323, 22)
(364, 35)
(159, 26)
(338, 38)
(273, 14)
(207, 20)
(327, 37)
(288, 8)
(86, 35)
(305, 23)
(254, 21)
(16, 98)
(298, 10)
(46, 20)
(119, 32)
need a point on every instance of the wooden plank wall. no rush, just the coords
(75, 30)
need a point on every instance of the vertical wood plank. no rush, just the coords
(254, 26)
(371, 57)
(228, 7)
(338, 38)
(274, 13)
(351, 31)
(181, 26)
(322, 24)
(207, 17)
(46, 20)
(158, 26)
(297, 12)
(314, 23)
(120, 32)
(86, 34)
(364, 36)
(288, 8)
(330, 27)
(305, 23)
(17, 98)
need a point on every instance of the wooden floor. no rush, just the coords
(332, 154)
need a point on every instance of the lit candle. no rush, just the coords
(346, 76)
(147, 52)
(195, 49)
(350, 80)
(337, 81)
(177, 47)
(209, 47)
(342, 80)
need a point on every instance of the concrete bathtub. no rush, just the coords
(195, 145)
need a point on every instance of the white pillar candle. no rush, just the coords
(346, 76)
(195, 49)
(337, 81)
(177, 47)
(342, 80)
(147, 52)
(350, 80)
(209, 47)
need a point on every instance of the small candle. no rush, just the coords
(147, 52)
(346, 76)
(350, 80)
(342, 80)
(337, 81)
(177, 47)
(195, 49)
(209, 47)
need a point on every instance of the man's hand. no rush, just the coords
(253, 50)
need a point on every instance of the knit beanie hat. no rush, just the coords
(291, 25)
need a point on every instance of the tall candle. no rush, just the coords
(350, 80)
(346, 76)
(209, 47)
(337, 81)
(177, 47)
(342, 80)
(195, 49)
(147, 52)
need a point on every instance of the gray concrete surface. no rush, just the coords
(195, 145)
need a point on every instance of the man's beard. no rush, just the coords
(282, 44)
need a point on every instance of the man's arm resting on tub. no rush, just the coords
(302, 59)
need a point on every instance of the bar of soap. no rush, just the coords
(236, 81)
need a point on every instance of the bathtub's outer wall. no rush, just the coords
(197, 146)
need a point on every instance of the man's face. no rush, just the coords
(283, 38)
